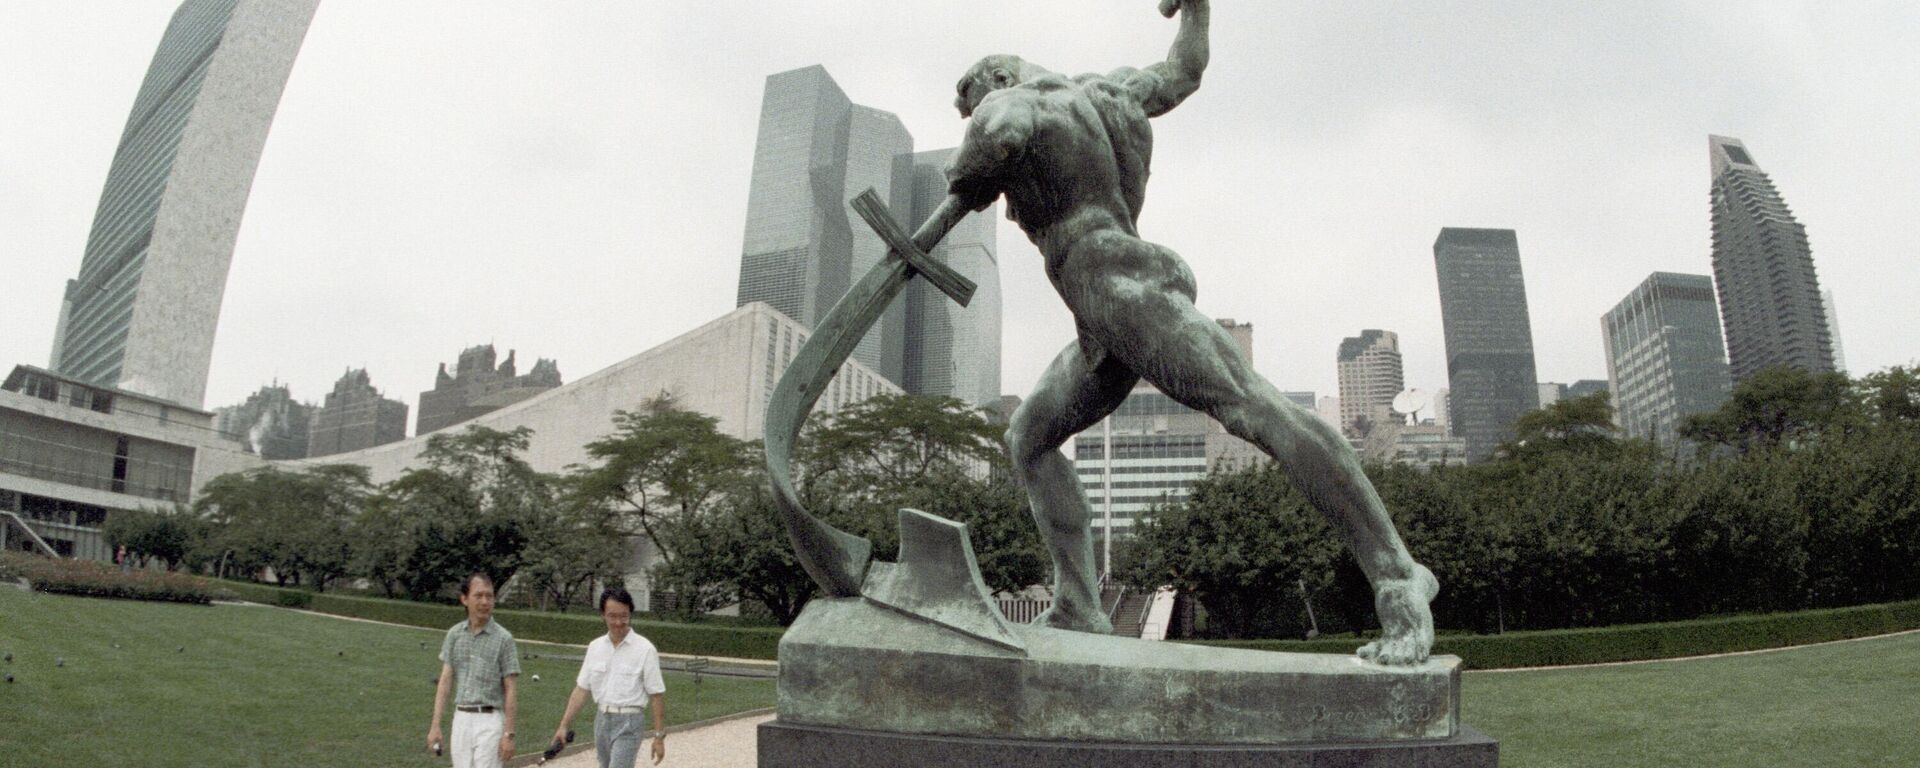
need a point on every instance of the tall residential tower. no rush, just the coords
(141, 314)
(1769, 295)
(1483, 306)
(1370, 376)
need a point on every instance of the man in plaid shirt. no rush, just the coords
(480, 655)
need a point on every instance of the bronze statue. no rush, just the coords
(1071, 157)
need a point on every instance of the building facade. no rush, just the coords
(1151, 449)
(73, 454)
(477, 386)
(754, 340)
(141, 314)
(354, 417)
(1770, 305)
(951, 350)
(804, 246)
(1585, 387)
(1370, 375)
(270, 423)
(1665, 360)
(1483, 305)
(1833, 331)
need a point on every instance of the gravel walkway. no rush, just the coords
(723, 745)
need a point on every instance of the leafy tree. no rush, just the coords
(1892, 396)
(1775, 407)
(1242, 543)
(294, 523)
(660, 461)
(474, 505)
(856, 468)
(578, 542)
(889, 443)
(150, 534)
(735, 551)
(1581, 424)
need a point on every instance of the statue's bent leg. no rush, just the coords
(1160, 334)
(1072, 395)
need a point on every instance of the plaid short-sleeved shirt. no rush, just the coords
(480, 663)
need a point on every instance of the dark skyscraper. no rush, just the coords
(142, 311)
(953, 350)
(477, 387)
(1483, 306)
(1763, 268)
(804, 246)
(355, 416)
(271, 423)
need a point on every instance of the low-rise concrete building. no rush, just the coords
(72, 454)
(726, 369)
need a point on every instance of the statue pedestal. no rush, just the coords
(853, 663)
(922, 670)
(804, 746)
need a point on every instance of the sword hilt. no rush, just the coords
(948, 280)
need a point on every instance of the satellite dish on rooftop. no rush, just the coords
(1413, 403)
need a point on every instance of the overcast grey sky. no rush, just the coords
(569, 179)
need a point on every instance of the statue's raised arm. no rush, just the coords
(1162, 86)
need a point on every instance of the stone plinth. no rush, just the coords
(783, 745)
(853, 663)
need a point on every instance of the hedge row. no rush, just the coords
(266, 595)
(92, 579)
(1514, 649)
(669, 637)
(1641, 641)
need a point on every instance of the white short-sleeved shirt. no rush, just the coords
(622, 676)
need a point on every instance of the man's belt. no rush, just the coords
(623, 710)
(485, 709)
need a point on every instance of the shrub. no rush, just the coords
(91, 579)
(669, 637)
(1638, 642)
(723, 637)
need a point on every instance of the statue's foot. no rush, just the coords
(1072, 619)
(1406, 621)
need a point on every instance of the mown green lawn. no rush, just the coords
(255, 686)
(259, 686)
(1843, 704)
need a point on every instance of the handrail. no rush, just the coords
(1119, 599)
(31, 534)
(1146, 607)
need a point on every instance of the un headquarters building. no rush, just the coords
(140, 316)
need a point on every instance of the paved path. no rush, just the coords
(723, 745)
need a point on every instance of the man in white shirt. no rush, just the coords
(622, 673)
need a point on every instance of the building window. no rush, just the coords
(120, 465)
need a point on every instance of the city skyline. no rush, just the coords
(517, 171)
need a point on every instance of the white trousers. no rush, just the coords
(476, 739)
